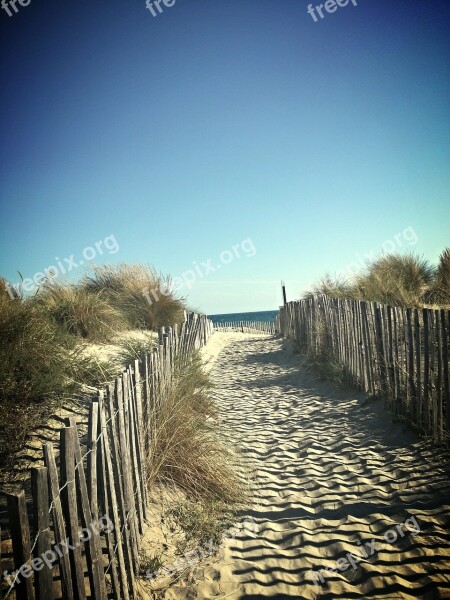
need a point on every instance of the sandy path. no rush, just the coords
(332, 472)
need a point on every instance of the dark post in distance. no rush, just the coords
(283, 289)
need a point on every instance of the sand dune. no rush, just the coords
(331, 472)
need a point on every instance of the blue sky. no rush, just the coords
(221, 121)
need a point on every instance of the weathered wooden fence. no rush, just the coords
(78, 536)
(246, 327)
(399, 354)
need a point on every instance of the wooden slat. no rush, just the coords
(367, 348)
(411, 366)
(59, 527)
(20, 536)
(109, 506)
(381, 352)
(134, 456)
(402, 371)
(391, 360)
(92, 459)
(146, 404)
(141, 426)
(130, 509)
(418, 355)
(41, 524)
(432, 380)
(426, 369)
(360, 348)
(118, 503)
(69, 504)
(445, 324)
(396, 361)
(93, 545)
(439, 431)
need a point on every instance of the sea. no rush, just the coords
(267, 316)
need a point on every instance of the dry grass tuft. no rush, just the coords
(40, 366)
(142, 295)
(135, 349)
(320, 361)
(440, 291)
(396, 279)
(81, 312)
(333, 287)
(186, 450)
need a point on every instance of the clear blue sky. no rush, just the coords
(221, 121)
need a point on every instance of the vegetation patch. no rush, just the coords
(40, 366)
(139, 292)
(203, 523)
(43, 358)
(186, 449)
(403, 280)
(81, 312)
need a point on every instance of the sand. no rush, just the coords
(332, 472)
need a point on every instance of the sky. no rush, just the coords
(230, 143)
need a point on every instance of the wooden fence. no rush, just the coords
(246, 327)
(399, 354)
(79, 534)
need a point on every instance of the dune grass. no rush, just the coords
(403, 280)
(43, 364)
(40, 366)
(81, 312)
(135, 349)
(440, 290)
(337, 287)
(186, 450)
(42, 340)
(398, 280)
(141, 294)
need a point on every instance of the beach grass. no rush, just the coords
(81, 312)
(44, 338)
(186, 450)
(41, 365)
(139, 292)
(404, 280)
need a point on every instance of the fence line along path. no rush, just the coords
(246, 327)
(398, 354)
(95, 487)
